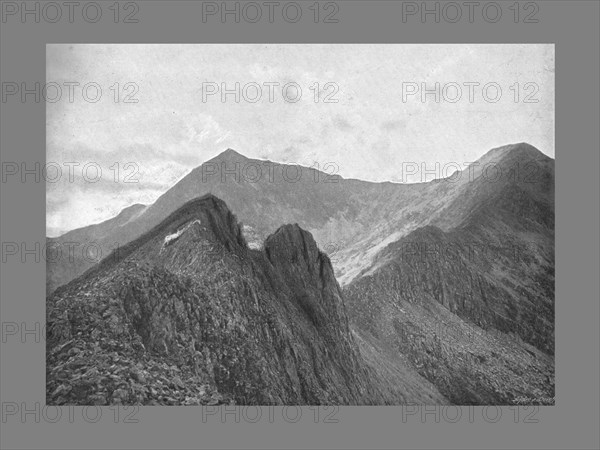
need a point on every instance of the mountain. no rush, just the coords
(448, 283)
(264, 195)
(352, 219)
(473, 304)
(189, 314)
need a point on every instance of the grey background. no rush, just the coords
(572, 423)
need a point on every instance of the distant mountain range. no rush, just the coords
(437, 292)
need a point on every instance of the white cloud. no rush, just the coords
(369, 132)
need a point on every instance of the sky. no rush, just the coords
(156, 119)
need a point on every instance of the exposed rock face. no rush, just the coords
(309, 274)
(473, 306)
(188, 314)
(352, 219)
(450, 280)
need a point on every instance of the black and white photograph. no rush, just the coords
(300, 224)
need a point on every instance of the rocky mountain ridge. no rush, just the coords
(369, 293)
(352, 218)
(472, 305)
(188, 314)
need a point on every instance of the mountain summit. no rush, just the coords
(229, 155)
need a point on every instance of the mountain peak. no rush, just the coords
(520, 150)
(525, 150)
(229, 155)
(212, 210)
(291, 242)
(231, 151)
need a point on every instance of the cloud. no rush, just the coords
(368, 133)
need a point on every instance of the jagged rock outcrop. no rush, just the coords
(309, 275)
(188, 314)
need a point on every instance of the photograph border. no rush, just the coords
(572, 423)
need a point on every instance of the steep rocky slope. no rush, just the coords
(473, 305)
(264, 195)
(352, 219)
(189, 314)
(451, 281)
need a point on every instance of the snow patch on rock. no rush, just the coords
(173, 237)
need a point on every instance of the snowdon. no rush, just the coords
(261, 291)
(257, 171)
